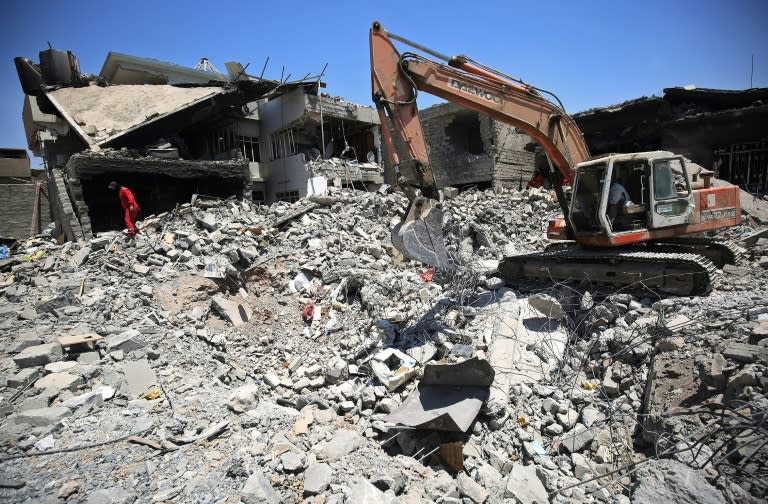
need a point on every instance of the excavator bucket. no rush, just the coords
(420, 235)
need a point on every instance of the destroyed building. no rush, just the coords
(24, 208)
(467, 147)
(722, 130)
(167, 132)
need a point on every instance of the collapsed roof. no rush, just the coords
(101, 114)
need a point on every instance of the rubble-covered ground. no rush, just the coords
(233, 353)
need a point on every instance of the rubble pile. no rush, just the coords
(290, 354)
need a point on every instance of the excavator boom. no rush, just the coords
(396, 80)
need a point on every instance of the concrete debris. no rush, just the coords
(448, 398)
(235, 311)
(547, 306)
(317, 477)
(38, 355)
(288, 343)
(42, 417)
(258, 490)
(342, 443)
(671, 481)
(393, 368)
(471, 489)
(524, 486)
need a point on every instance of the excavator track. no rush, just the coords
(682, 274)
(720, 252)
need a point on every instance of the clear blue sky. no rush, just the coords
(590, 53)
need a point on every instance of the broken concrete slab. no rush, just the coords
(423, 353)
(524, 485)
(362, 490)
(758, 333)
(743, 352)
(127, 341)
(60, 366)
(448, 398)
(80, 257)
(235, 310)
(343, 442)
(523, 346)
(38, 355)
(59, 381)
(258, 490)
(138, 378)
(52, 303)
(96, 396)
(22, 377)
(317, 478)
(24, 340)
(577, 438)
(42, 417)
(547, 306)
(470, 489)
(670, 481)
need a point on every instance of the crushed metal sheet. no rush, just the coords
(448, 398)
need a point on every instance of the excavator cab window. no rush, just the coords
(585, 203)
(671, 192)
(633, 176)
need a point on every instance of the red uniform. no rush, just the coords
(536, 181)
(131, 209)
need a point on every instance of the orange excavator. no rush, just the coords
(631, 219)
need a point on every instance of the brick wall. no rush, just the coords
(514, 165)
(451, 160)
(16, 204)
(503, 160)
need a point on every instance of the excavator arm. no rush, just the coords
(396, 80)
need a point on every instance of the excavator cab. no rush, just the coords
(640, 205)
(622, 197)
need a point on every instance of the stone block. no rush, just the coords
(38, 355)
(59, 381)
(742, 352)
(471, 489)
(138, 378)
(127, 341)
(524, 485)
(42, 417)
(316, 479)
(20, 378)
(577, 438)
(258, 490)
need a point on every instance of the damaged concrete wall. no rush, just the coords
(288, 176)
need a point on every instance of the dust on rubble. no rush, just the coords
(255, 353)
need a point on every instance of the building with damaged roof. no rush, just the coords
(168, 131)
(722, 130)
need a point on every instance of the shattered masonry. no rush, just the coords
(269, 353)
(174, 131)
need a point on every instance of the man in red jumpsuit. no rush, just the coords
(128, 201)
